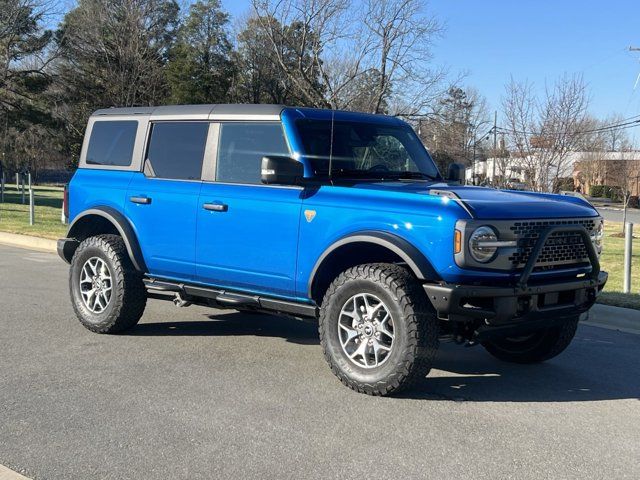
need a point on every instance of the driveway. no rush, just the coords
(194, 393)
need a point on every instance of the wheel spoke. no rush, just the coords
(362, 351)
(383, 327)
(356, 310)
(377, 348)
(353, 315)
(85, 277)
(375, 310)
(367, 306)
(92, 265)
(351, 333)
(87, 295)
(96, 302)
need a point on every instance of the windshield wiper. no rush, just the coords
(412, 175)
(382, 175)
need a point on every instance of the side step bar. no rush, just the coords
(166, 290)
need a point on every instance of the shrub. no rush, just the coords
(597, 191)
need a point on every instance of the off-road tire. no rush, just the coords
(415, 329)
(538, 347)
(128, 296)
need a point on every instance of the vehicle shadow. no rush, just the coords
(599, 364)
(235, 324)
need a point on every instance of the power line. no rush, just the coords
(630, 122)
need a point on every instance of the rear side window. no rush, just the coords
(242, 146)
(111, 143)
(176, 150)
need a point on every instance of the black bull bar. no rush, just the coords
(540, 303)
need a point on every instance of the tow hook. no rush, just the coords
(178, 301)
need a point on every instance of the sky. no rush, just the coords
(538, 41)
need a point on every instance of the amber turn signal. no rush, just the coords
(457, 242)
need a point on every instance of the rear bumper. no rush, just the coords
(502, 305)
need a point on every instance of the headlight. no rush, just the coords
(598, 236)
(482, 244)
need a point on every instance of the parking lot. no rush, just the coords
(195, 393)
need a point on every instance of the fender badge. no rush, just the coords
(309, 215)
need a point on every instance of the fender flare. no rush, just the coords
(122, 224)
(414, 258)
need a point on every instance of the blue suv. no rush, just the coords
(338, 216)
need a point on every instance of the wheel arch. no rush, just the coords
(103, 219)
(366, 247)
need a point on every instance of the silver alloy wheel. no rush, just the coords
(366, 330)
(95, 284)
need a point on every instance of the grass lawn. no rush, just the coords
(14, 218)
(612, 261)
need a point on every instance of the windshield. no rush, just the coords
(365, 150)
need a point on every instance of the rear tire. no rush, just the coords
(107, 293)
(536, 347)
(378, 330)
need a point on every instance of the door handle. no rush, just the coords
(140, 200)
(216, 207)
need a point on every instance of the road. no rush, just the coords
(195, 393)
(615, 215)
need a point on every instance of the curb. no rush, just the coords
(27, 241)
(8, 474)
(614, 318)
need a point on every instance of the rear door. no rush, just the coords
(247, 236)
(162, 200)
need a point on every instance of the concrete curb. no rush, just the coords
(8, 474)
(614, 318)
(27, 241)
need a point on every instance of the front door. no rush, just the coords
(247, 235)
(162, 202)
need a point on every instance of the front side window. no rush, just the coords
(242, 146)
(111, 143)
(176, 150)
(364, 150)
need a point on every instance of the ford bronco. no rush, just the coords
(336, 216)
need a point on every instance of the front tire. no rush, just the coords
(536, 347)
(107, 293)
(378, 331)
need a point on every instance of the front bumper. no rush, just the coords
(524, 301)
(501, 305)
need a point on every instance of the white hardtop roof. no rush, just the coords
(199, 112)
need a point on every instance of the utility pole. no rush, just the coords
(495, 146)
(635, 49)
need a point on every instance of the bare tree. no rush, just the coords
(373, 55)
(626, 173)
(544, 131)
(455, 131)
(400, 38)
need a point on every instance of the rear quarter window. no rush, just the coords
(111, 143)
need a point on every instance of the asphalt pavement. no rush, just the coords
(614, 214)
(206, 394)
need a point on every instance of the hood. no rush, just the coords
(490, 203)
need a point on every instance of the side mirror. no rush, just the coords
(281, 171)
(456, 173)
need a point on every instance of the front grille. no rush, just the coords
(562, 249)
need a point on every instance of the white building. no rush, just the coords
(514, 170)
